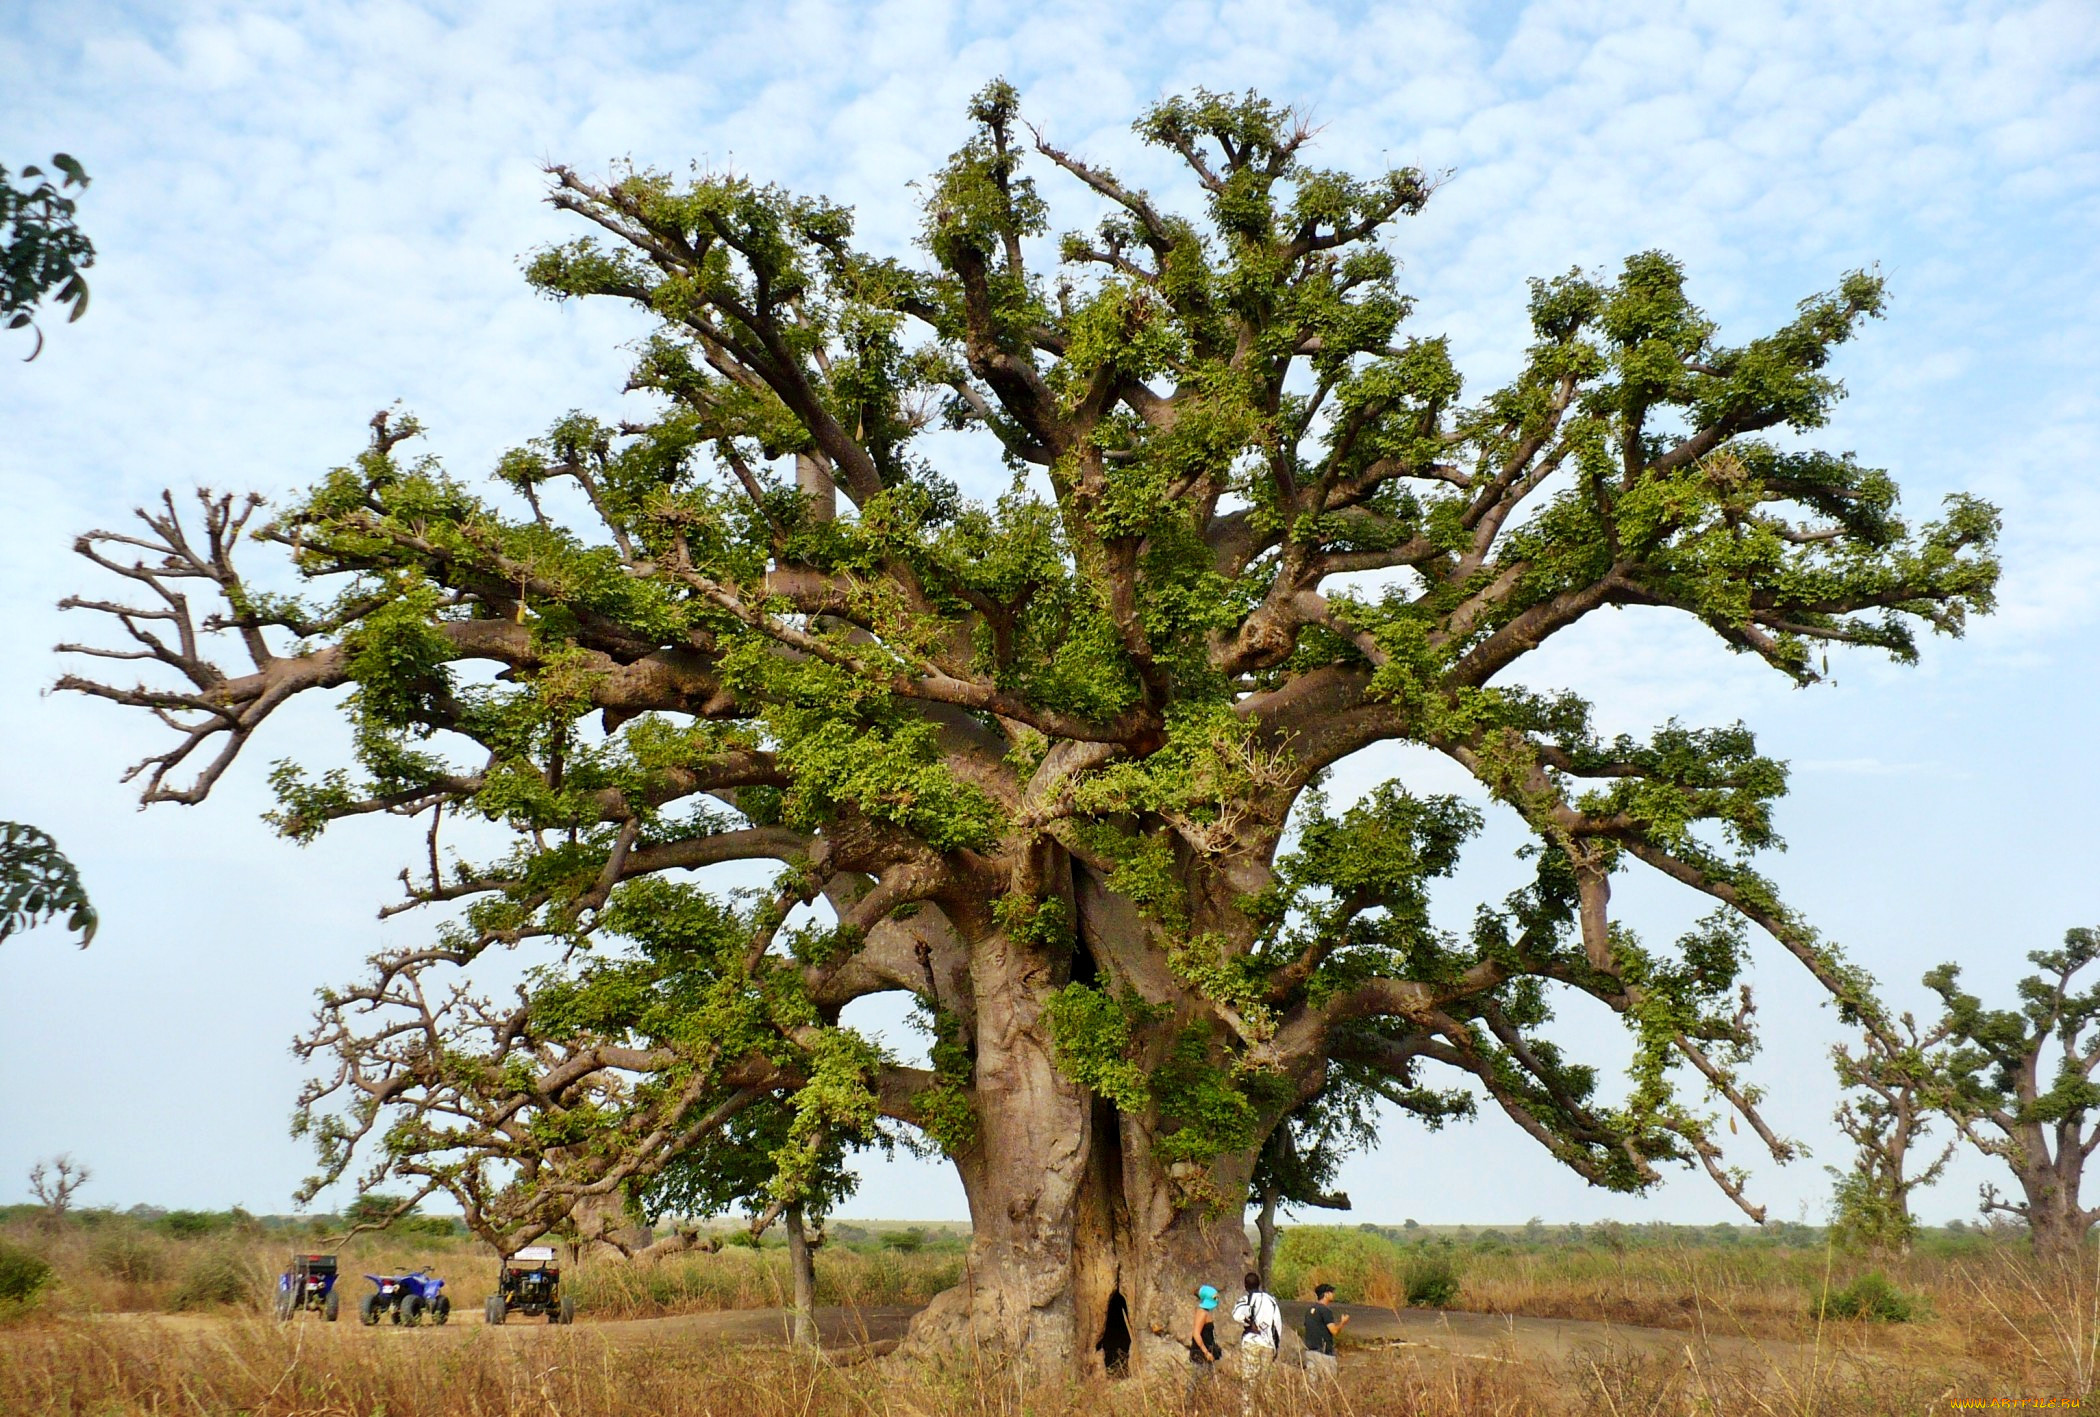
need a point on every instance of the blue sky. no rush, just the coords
(305, 212)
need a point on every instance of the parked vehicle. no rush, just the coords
(406, 1298)
(529, 1282)
(307, 1286)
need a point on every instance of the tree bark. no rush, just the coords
(802, 1261)
(815, 482)
(1265, 1229)
(1084, 1249)
(2056, 1223)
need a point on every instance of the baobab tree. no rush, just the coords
(2019, 1084)
(1887, 1111)
(1046, 764)
(53, 1184)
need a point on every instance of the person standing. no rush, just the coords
(1204, 1349)
(1261, 1323)
(1322, 1328)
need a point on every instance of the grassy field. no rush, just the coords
(1965, 1316)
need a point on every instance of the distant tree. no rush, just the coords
(376, 1208)
(742, 1166)
(53, 1184)
(1045, 758)
(1301, 1159)
(42, 249)
(1886, 1113)
(38, 883)
(2019, 1084)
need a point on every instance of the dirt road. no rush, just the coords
(1486, 1336)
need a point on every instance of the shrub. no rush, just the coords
(1431, 1279)
(123, 1253)
(22, 1275)
(1870, 1297)
(909, 1241)
(190, 1224)
(219, 1276)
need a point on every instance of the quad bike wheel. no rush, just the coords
(368, 1309)
(330, 1306)
(495, 1310)
(568, 1310)
(283, 1307)
(440, 1309)
(412, 1310)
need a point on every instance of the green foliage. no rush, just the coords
(125, 1254)
(189, 1224)
(42, 248)
(947, 1112)
(22, 1275)
(1866, 1214)
(220, 1275)
(1870, 1298)
(1427, 1275)
(1431, 1279)
(1095, 1038)
(369, 1208)
(38, 883)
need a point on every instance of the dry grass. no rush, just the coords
(1993, 1323)
(116, 1368)
(119, 1266)
(746, 1279)
(1982, 1302)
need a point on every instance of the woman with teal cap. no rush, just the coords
(1204, 1351)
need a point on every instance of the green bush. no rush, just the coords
(191, 1224)
(1870, 1297)
(124, 1253)
(219, 1277)
(1431, 1279)
(908, 1241)
(22, 1275)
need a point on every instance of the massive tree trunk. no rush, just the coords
(1084, 1247)
(1081, 1259)
(2056, 1223)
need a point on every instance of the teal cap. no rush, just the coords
(1206, 1297)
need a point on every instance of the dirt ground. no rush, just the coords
(849, 1332)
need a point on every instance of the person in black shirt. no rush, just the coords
(1321, 1327)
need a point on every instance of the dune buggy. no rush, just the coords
(307, 1286)
(529, 1282)
(406, 1298)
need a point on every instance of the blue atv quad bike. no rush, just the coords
(529, 1282)
(307, 1286)
(405, 1298)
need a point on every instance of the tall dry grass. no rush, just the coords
(1991, 1322)
(118, 1368)
(739, 1278)
(120, 1266)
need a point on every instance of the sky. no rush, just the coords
(304, 213)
